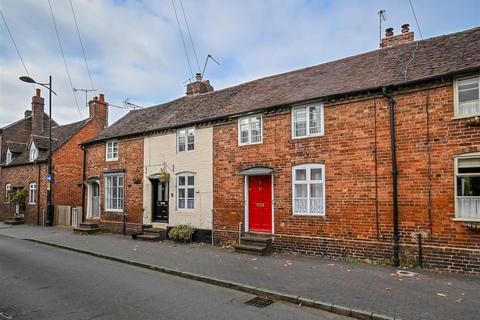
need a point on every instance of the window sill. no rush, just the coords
(469, 116)
(249, 144)
(113, 211)
(466, 219)
(111, 160)
(185, 211)
(323, 215)
(308, 136)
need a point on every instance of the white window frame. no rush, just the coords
(110, 153)
(32, 193)
(187, 186)
(107, 195)
(8, 158)
(306, 107)
(308, 181)
(249, 142)
(186, 131)
(8, 191)
(456, 102)
(475, 155)
(33, 152)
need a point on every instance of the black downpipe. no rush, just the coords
(396, 237)
(84, 175)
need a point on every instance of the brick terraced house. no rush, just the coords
(365, 157)
(24, 152)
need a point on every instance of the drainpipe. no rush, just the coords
(84, 174)
(393, 146)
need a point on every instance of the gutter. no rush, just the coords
(393, 147)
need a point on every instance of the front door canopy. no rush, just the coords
(257, 171)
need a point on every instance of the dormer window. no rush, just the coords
(33, 152)
(9, 157)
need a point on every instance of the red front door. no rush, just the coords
(260, 203)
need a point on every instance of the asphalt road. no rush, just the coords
(41, 282)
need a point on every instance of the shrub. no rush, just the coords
(181, 233)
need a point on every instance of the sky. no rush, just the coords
(134, 48)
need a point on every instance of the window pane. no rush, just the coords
(315, 120)
(244, 137)
(468, 186)
(181, 193)
(316, 190)
(300, 191)
(181, 203)
(316, 174)
(468, 95)
(300, 174)
(256, 130)
(181, 181)
(191, 180)
(300, 122)
(300, 206)
(190, 204)
(191, 139)
(191, 193)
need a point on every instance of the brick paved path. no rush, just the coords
(374, 288)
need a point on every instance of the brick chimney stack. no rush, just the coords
(391, 40)
(199, 86)
(98, 110)
(38, 105)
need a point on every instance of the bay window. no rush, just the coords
(308, 189)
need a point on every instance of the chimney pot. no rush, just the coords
(389, 32)
(405, 28)
(198, 76)
(102, 98)
(37, 92)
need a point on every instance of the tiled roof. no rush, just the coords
(420, 60)
(60, 135)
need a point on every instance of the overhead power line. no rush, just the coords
(81, 44)
(64, 60)
(416, 20)
(190, 36)
(183, 40)
(15, 45)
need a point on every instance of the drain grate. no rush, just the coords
(5, 315)
(260, 302)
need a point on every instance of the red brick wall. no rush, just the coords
(68, 167)
(22, 176)
(355, 132)
(130, 159)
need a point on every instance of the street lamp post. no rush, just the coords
(48, 85)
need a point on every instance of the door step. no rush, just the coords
(87, 228)
(152, 234)
(14, 220)
(254, 244)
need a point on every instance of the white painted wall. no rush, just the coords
(163, 148)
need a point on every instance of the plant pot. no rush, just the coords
(164, 177)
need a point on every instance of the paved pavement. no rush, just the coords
(41, 282)
(381, 289)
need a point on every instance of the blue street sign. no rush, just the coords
(49, 178)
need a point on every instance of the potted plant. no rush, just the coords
(137, 180)
(181, 233)
(164, 176)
